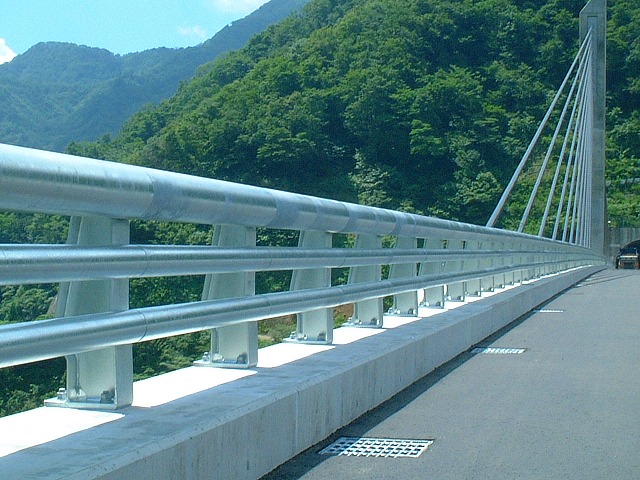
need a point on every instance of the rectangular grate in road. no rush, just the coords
(499, 351)
(377, 447)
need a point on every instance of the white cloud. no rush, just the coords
(6, 54)
(195, 33)
(237, 6)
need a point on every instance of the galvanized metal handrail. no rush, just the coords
(443, 260)
(31, 264)
(44, 339)
(48, 182)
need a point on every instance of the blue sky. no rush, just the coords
(120, 26)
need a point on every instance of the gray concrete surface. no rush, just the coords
(567, 408)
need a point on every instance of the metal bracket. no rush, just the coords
(100, 379)
(315, 326)
(233, 346)
(404, 304)
(367, 313)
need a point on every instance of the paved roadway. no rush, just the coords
(567, 408)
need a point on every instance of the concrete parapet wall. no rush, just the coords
(244, 428)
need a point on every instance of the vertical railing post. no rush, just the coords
(534, 272)
(501, 280)
(474, 287)
(544, 256)
(488, 284)
(538, 257)
(101, 379)
(456, 292)
(315, 326)
(405, 304)
(518, 259)
(559, 263)
(233, 346)
(367, 313)
(433, 297)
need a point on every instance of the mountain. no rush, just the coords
(58, 92)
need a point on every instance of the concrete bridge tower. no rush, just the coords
(594, 17)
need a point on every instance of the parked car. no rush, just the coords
(628, 258)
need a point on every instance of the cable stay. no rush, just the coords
(568, 173)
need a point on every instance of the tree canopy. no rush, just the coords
(437, 99)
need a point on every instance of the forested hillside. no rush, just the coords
(58, 92)
(424, 105)
(420, 105)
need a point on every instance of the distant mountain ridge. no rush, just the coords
(58, 92)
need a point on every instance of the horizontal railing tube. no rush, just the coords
(61, 263)
(48, 182)
(44, 339)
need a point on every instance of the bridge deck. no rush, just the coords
(568, 407)
(195, 421)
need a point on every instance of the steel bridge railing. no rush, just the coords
(434, 261)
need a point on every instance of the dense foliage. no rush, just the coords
(419, 105)
(623, 107)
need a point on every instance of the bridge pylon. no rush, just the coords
(593, 17)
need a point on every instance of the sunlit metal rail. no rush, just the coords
(62, 263)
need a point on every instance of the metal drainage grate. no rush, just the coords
(377, 447)
(548, 310)
(499, 351)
